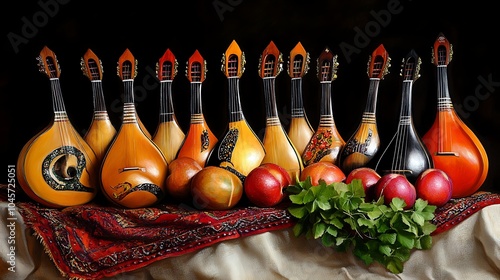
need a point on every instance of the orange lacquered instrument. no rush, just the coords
(199, 140)
(406, 154)
(101, 131)
(134, 169)
(326, 142)
(453, 146)
(240, 150)
(168, 135)
(279, 148)
(300, 130)
(364, 144)
(56, 167)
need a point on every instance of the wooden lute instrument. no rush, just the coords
(168, 135)
(240, 150)
(326, 142)
(406, 154)
(300, 130)
(364, 144)
(56, 167)
(278, 146)
(199, 140)
(101, 131)
(453, 146)
(134, 169)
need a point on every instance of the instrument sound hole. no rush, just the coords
(64, 169)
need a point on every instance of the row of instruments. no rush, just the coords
(59, 168)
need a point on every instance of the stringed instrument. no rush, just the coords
(240, 150)
(326, 142)
(56, 167)
(453, 146)
(278, 146)
(134, 170)
(101, 131)
(199, 140)
(406, 154)
(300, 130)
(168, 135)
(364, 144)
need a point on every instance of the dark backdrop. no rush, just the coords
(351, 29)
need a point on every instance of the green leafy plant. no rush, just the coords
(338, 215)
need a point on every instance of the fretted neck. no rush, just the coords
(406, 103)
(326, 115)
(444, 100)
(235, 112)
(57, 100)
(297, 103)
(129, 113)
(100, 112)
(196, 106)
(371, 101)
(270, 99)
(166, 104)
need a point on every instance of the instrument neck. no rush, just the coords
(371, 101)
(100, 112)
(296, 95)
(166, 104)
(129, 113)
(57, 100)
(196, 104)
(444, 100)
(406, 103)
(326, 112)
(270, 99)
(235, 111)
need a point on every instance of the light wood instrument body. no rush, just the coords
(453, 146)
(200, 140)
(364, 144)
(168, 135)
(278, 146)
(56, 167)
(134, 169)
(326, 142)
(300, 130)
(240, 150)
(406, 154)
(101, 131)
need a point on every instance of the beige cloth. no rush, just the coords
(470, 250)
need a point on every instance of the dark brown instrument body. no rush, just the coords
(453, 146)
(406, 154)
(134, 169)
(56, 167)
(326, 142)
(364, 144)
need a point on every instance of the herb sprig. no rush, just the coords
(339, 216)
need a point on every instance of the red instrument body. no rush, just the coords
(200, 140)
(454, 148)
(326, 142)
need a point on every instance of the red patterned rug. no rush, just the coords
(93, 241)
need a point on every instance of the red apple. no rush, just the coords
(368, 176)
(435, 186)
(322, 170)
(393, 185)
(264, 185)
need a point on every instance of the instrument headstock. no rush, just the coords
(410, 66)
(442, 51)
(196, 69)
(379, 63)
(166, 67)
(270, 62)
(127, 66)
(91, 66)
(233, 61)
(298, 62)
(327, 66)
(47, 63)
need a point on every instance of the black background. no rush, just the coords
(148, 28)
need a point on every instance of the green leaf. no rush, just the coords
(323, 204)
(309, 196)
(388, 238)
(319, 229)
(298, 211)
(293, 189)
(425, 242)
(406, 240)
(328, 240)
(297, 198)
(395, 266)
(418, 218)
(298, 229)
(428, 228)
(385, 249)
(332, 231)
(397, 204)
